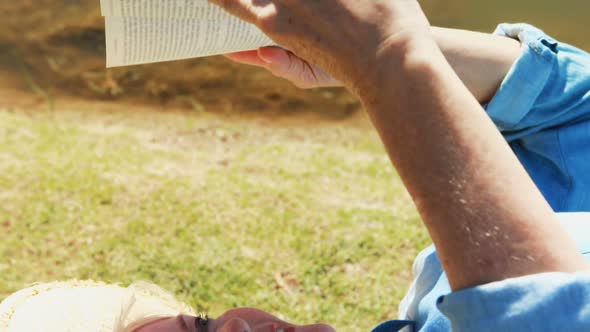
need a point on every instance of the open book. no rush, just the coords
(145, 31)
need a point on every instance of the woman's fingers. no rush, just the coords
(287, 65)
(247, 57)
(276, 56)
(264, 57)
(303, 74)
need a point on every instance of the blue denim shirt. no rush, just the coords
(543, 110)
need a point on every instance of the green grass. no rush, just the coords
(307, 221)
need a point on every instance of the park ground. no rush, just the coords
(298, 215)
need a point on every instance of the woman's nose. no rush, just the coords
(235, 325)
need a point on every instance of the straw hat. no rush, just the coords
(87, 306)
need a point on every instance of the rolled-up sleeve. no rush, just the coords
(549, 85)
(544, 302)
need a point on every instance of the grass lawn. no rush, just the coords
(307, 218)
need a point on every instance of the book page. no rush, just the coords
(162, 9)
(146, 31)
(136, 40)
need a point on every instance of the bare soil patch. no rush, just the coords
(56, 48)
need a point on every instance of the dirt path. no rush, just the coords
(21, 95)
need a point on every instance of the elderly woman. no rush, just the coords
(86, 306)
(504, 260)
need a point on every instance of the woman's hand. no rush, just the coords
(345, 37)
(285, 64)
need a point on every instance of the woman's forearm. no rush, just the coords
(485, 215)
(481, 60)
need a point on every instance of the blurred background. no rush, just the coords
(217, 181)
(58, 46)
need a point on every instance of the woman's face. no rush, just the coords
(237, 320)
